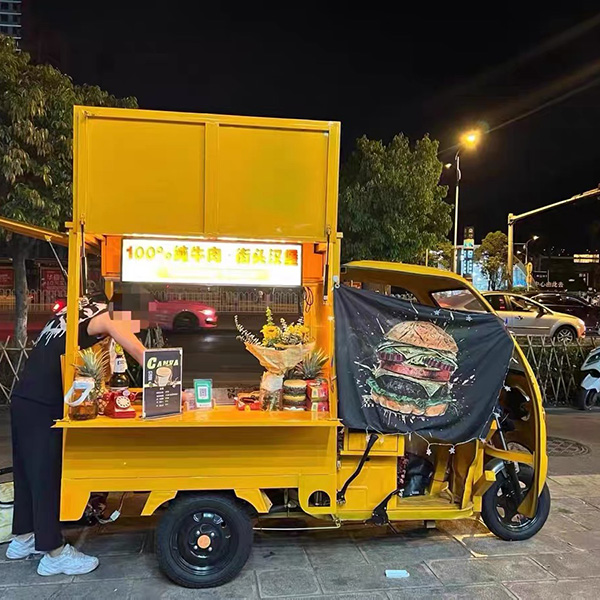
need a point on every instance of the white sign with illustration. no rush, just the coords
(162, 382)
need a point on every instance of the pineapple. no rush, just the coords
(94, 364)
(312, 366)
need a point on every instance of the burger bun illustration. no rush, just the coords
(416, 360)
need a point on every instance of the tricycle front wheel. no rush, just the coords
(203, 541)
(500, 507)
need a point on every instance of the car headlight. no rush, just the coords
(208, 312)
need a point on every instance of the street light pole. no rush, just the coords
(512, 219)
(509, 261)
(526, 247)
(468, 140)
(457, 163)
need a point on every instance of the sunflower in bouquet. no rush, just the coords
(285, 334)
(282, 346)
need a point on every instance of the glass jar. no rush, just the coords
(82, 399)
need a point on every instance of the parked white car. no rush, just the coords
(524, 316)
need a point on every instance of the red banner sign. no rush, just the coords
(7, 278)
(52, 280)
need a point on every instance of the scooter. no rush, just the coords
(589, 391)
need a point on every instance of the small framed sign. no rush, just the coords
(161, 394)
(203, 393)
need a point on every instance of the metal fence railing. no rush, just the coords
(12, 357)
(221, 299)
(39, 301)
(224, 300)
(557, 365)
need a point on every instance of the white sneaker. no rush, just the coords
(69, 562)
(17, 549)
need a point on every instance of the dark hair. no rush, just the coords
(132, 297)
(98, 296)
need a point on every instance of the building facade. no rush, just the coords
(10, 19)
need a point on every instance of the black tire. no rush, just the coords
(565, 334)
(500, 495)
(586, 399)
(185, 322)
(225, 527)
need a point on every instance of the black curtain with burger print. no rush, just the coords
(403, 367)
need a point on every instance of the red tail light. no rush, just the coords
(58, 305)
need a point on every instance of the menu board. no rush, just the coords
(162, 382)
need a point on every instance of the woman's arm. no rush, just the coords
(120, 331)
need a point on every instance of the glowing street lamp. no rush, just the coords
(468, 140)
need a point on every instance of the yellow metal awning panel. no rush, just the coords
(46, 235)
(39, 233)
(167, 173)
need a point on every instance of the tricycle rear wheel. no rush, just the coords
(203, 541)
(500, 508)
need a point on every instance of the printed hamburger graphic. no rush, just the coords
(416, 361)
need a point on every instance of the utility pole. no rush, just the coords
(455, 258)
(512, 219)
(509, 262)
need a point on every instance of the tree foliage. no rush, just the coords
(36, 153)
(441, 254)
(493, 257)
(391, 203)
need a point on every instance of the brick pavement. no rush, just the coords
(459, 560)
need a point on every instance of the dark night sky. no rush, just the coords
(379, 73)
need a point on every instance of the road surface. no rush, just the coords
(215, 355)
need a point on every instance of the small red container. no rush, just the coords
(317, 392)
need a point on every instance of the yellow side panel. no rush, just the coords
(357, 441)
(194, 452)
(167, 460)
(376, 480)
(272, 182)
(144, 176)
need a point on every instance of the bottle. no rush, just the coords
(119, 380)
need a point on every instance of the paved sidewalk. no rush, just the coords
(460, 560)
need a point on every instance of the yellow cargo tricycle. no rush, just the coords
(258, 198)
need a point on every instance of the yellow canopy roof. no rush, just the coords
(421, 281)
(399, 269)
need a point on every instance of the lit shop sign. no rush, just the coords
(211, 263)
(586, 258)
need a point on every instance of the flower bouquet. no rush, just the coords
(282, 347)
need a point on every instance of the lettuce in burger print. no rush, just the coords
(416, 361)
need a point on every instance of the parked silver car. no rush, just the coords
(524, 316)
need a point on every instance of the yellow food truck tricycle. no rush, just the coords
(217, 200)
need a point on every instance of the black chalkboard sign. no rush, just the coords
(162, 382)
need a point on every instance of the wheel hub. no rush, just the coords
(203, 541)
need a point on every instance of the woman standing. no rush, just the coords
(36, 403)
